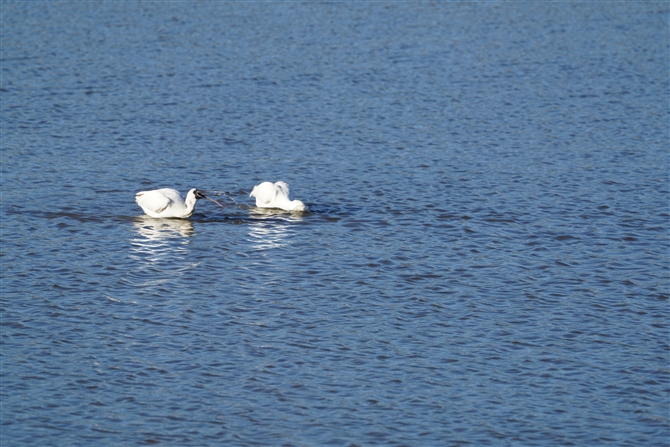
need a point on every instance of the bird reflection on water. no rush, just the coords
(270, 228)
(162, 248)
(265, 237)
(157, 229)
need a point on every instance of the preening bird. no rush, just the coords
(269, 195)
(167, 202)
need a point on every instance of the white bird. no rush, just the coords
(167, 202)
(276, 195)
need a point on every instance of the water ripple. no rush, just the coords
(485, 259)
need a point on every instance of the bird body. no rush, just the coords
(168, 202)
(269, 195)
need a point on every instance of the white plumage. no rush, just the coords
(269, 195)
(168, 202)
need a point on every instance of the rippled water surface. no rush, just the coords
(485, 261)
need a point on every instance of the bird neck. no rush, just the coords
(190, 204)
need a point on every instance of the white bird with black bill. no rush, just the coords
(167, 202)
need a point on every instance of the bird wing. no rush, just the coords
(155, 201)
(265, 193)
(282, 189)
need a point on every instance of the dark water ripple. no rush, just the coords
(485, 260)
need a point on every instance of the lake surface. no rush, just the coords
(485, 261)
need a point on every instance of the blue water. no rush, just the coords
(485, 261)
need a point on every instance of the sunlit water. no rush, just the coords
(485, 261)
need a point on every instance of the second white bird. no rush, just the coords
(269, 195)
